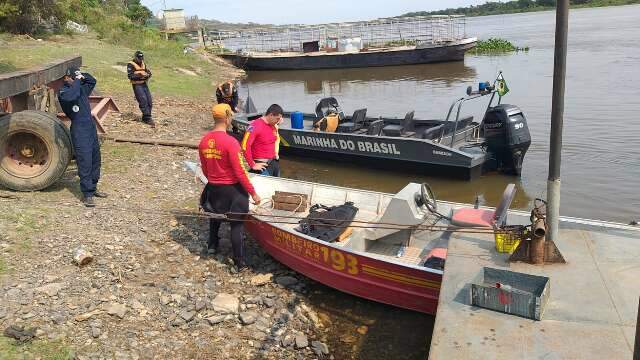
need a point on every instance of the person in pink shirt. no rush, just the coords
(261, 142)
(228, 188)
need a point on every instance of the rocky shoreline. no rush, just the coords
(148, 292)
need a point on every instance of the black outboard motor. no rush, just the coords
(507, 137)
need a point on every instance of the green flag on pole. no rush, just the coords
(503, 89)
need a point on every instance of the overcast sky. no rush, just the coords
(302, 11)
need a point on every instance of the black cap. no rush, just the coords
(139, 54)
(71, 71)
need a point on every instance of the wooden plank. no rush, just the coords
(290, 207)
(19, 82)
(187, 144)
(290, 198)
(345, 234)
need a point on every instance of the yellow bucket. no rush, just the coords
(508, 239)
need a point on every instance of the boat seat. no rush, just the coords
(356, 123)
(462, 123)
(471, 217)
(409, 134)
(375, 127)
(397, 130)
(392, 130)
(432, 132)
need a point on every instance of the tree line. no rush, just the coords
(40, 16)
(494, 7)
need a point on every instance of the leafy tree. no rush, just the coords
(29, 16)
(137, 12)
(7, 9)
(546, 2)
(493, 7)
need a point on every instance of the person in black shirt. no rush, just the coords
(228, 94)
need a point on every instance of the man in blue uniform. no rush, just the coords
(74, 99)
(138, 75)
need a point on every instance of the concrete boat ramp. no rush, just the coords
(593, 303)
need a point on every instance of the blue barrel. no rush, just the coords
(297, 120)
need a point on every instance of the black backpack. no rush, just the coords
(328, 222)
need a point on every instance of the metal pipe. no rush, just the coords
(539, 229)
(537, 242)
(455, 125)
(447, 118)
(557, 117)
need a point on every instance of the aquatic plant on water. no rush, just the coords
(496, 45)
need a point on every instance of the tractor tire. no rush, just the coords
(35, 150)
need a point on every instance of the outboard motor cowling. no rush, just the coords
(507, 136)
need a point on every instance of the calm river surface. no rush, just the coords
(600, 164)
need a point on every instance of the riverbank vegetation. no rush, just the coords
(496, 46)
(116, 30)
(175, 73)
(518, 6)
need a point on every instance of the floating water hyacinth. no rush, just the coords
(496, 45)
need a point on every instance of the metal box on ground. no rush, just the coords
(511, 292)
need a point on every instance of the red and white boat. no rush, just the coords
(377, 261)
(380, 264)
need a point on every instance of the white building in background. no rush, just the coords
(173, 20)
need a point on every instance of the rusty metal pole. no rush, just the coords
(557, 118)
(537, 241)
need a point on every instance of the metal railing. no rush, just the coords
(386, 32)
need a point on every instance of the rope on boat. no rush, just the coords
(252, 216)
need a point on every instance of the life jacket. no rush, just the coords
(328, 223)
(138, 70)
(328, 123)
(223, 94)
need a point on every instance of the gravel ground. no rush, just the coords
(148, 292)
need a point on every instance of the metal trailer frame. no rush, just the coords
(36, 88)
(35, 144)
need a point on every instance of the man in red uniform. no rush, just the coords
(261, 143)
(229, 186)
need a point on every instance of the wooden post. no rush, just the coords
(636, 348)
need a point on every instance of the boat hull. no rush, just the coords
(411, 155)
(351, 272)
(392, 57)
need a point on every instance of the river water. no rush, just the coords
(600, 162)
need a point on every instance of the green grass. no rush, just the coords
(4, 67)
(3, 266)
(45, 350)
(117, 154)
(21, 227)
(100, 57)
